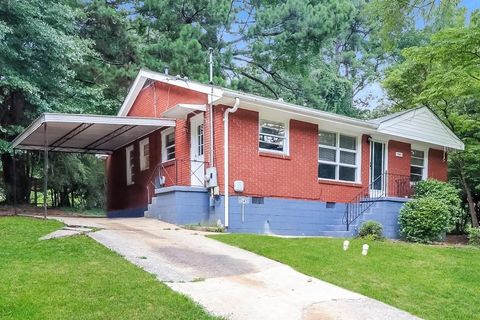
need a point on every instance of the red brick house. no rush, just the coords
(281, 157)
(254, 164)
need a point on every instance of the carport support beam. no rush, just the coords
(45, 170)
(14, 182)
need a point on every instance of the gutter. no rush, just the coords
(295, 109)
(225, 158)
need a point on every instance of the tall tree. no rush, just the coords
(38, 47)
(444, 75)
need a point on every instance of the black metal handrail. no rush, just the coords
(385, 185)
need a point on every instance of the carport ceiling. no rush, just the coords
(86, 133)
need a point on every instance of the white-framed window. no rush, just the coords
(338, 157)
(273, 136)
(417, 165)
(200, 141)
(168, 144)
(144, 154)
(129, 161)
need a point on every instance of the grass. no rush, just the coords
(77, 278)
(432, 282)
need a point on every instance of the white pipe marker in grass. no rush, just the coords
(365, 249)
(346, 243)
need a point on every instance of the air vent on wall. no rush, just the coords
(258, 200)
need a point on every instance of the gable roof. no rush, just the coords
(419, 124)
(414, 124)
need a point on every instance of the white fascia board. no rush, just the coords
(458, 145)
(94, 119)
(229, 96)
(182, 110)
(212, 92)
(28, 131)
(101, 119)
(132, 94)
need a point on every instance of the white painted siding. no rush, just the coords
(421, 125)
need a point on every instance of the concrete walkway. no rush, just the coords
(229, 281)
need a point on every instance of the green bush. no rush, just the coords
(371, 230)
(442, 191)
(425, 219)
(474, 236)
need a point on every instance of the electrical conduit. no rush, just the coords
(225, 155)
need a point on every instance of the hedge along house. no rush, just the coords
(259, 165)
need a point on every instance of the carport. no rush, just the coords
(94, 134)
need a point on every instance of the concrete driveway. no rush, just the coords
(229, 281)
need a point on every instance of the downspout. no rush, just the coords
(225, 155)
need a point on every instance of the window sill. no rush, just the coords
(168, 163)
(340, 183)
(274, 155)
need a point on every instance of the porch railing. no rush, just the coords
(176, 172)
(385, 185)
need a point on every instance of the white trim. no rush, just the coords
(144, 163)
(426, 151)
(182, 110)
(222, 96)
(129, 151)
(143, 75)
(338, 149)
(163, 135)
(197, 169)
(90, 118)
(383, 127)
(384, 162)
(286, 139)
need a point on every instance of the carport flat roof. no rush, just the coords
(86, 133)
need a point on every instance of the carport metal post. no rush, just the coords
(45, 170)
(14, 182)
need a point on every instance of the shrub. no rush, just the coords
(442, 191)
(425, 219)
(474, 236)
(371, 230)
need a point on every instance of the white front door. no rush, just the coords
(197, 166)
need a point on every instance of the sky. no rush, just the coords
(375, 89)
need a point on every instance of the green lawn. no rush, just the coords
(77, 278)
(432, 282)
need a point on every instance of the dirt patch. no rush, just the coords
(457, 239)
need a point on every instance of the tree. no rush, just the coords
(38, 48)
(444, 75)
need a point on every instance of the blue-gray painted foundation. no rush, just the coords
(294, 217)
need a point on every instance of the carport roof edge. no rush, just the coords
(73, 125)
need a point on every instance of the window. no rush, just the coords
(337, 156)
(417, 165)
(200, 140)
(144, 154)
(129, 164)
(168, 144)
(273, 136)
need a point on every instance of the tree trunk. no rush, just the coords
(23, 181)
(64, 197)
(471, 203)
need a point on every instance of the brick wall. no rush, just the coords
(264, 174)
(437, 165)
(121, 196)
(293, 176)
(398, 180)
